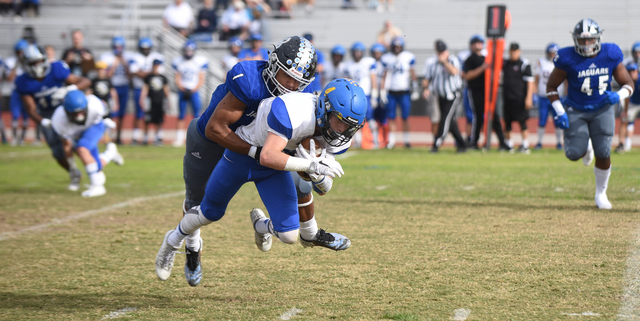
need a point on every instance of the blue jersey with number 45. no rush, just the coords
(588, 78)
(245, 82)
(41, 91)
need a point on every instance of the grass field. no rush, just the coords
(505, 237)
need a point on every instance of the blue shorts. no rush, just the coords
(401, 98)
(90, 139)
(276, 189)
(598, 125)
(136, 100)
(123, 98)
(544, 108)
(195, 104)
(468, 111)
(17, 110)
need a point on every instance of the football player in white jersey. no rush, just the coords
(401, 65)
(12, 70)
(630, 106)
(281, 124)
(118, 61)
(79, 124)
(541, 71)
(334, 69)
(230, 60)
(191, 70)
(141, 67)
(363, 71)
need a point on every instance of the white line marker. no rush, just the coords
(346, 155)
(119, 313)
(586, 314)
(461, 314)
(5, 235)
(290, 314)
(630, 305)
(25, 154)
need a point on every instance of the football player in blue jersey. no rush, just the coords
(281, 124)
(42, 88)
(587, 113)
(630, 106)
(234, 103)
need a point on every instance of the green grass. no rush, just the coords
(509, 237)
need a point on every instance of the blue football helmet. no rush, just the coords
(117, 44)
(551, 50)
(75, 106)
(377, 47)
(189, 49)
(338, 50)
(345, 100)
(397, 45)
(34, 62)
(297, 57)
(587, 29)
(20, 46)
(235, 42)
(357, 50)
(144, 45)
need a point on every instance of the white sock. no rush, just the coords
(405, 135)
(392, 140)
(525, 143)
(602, 179)
(180, 135)
(509, 143)
(97, 178)
(373, 125)
(145, 137)
(159, 134)
(309, 229)
(136, 134)
(191, 223)
(540, 134)
(193, 241)
(264, 226)
(627, 143)
(559, 135)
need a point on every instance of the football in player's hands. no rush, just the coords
(306, 144)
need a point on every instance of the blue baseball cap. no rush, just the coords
(476, 38)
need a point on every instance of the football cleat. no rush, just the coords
(117, 157)
(538, 146)
(192, 266)
(164, 259)
(524, 150)
(74, 175)
(588, 157)
(602, 201)
(333, 241)
(263, 241)
(620, 149)
(559, 146)
(94, 190)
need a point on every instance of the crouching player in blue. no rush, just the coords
(281, 124)
(587, 114)
(79, 124)
(42, 88)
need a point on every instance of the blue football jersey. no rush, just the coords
(41, 91)
(245, 82)
(588, 78)
(635, 97)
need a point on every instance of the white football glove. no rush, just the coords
(60, 93)
(109, 123)
(45, 122)
(320, 165)
(302, 153)
(383, 97)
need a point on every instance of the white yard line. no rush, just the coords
(119, 313)
(25, 154)
(461, 314)
(85, 214)
(290, 314)
(630, 305)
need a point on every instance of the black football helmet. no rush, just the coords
(587, 29)
(297, 57)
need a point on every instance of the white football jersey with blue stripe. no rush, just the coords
(68, 130)
(543, 69)
(8, 65)
(399, 67)
(190, 70)
(361, 72)
(291, 116)
(144, 63)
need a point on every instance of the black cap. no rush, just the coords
(441, 46)
(514, 46)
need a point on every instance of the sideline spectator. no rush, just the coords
(388, 33)
(474, 68)
(543, 69)
(207, 23)
(235, 22)
(32, 5)
(156, 87)
(79, 58)
(256, 52)
(468, 110)
(380, 6)
(6, 8)
(334, 69)
(256, 9)
(517, 87)
(50, 51)
(179, 16)
(443, 73)
(230, 60)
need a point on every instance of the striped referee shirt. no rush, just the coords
(440, 80)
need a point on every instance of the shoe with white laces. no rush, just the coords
(74, 175)
(263, 241)
(602, 201)
(333, 241)
(94, 190)
(164, 259)
(192, 266)
(588, 157)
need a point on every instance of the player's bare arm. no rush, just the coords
(143, 96)
(555, 79)
(178, 80)
(81, 82)
(622, 77)
(228, 111)
(30, 107)
(272, 155)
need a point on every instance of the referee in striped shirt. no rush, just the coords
(443, 73)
